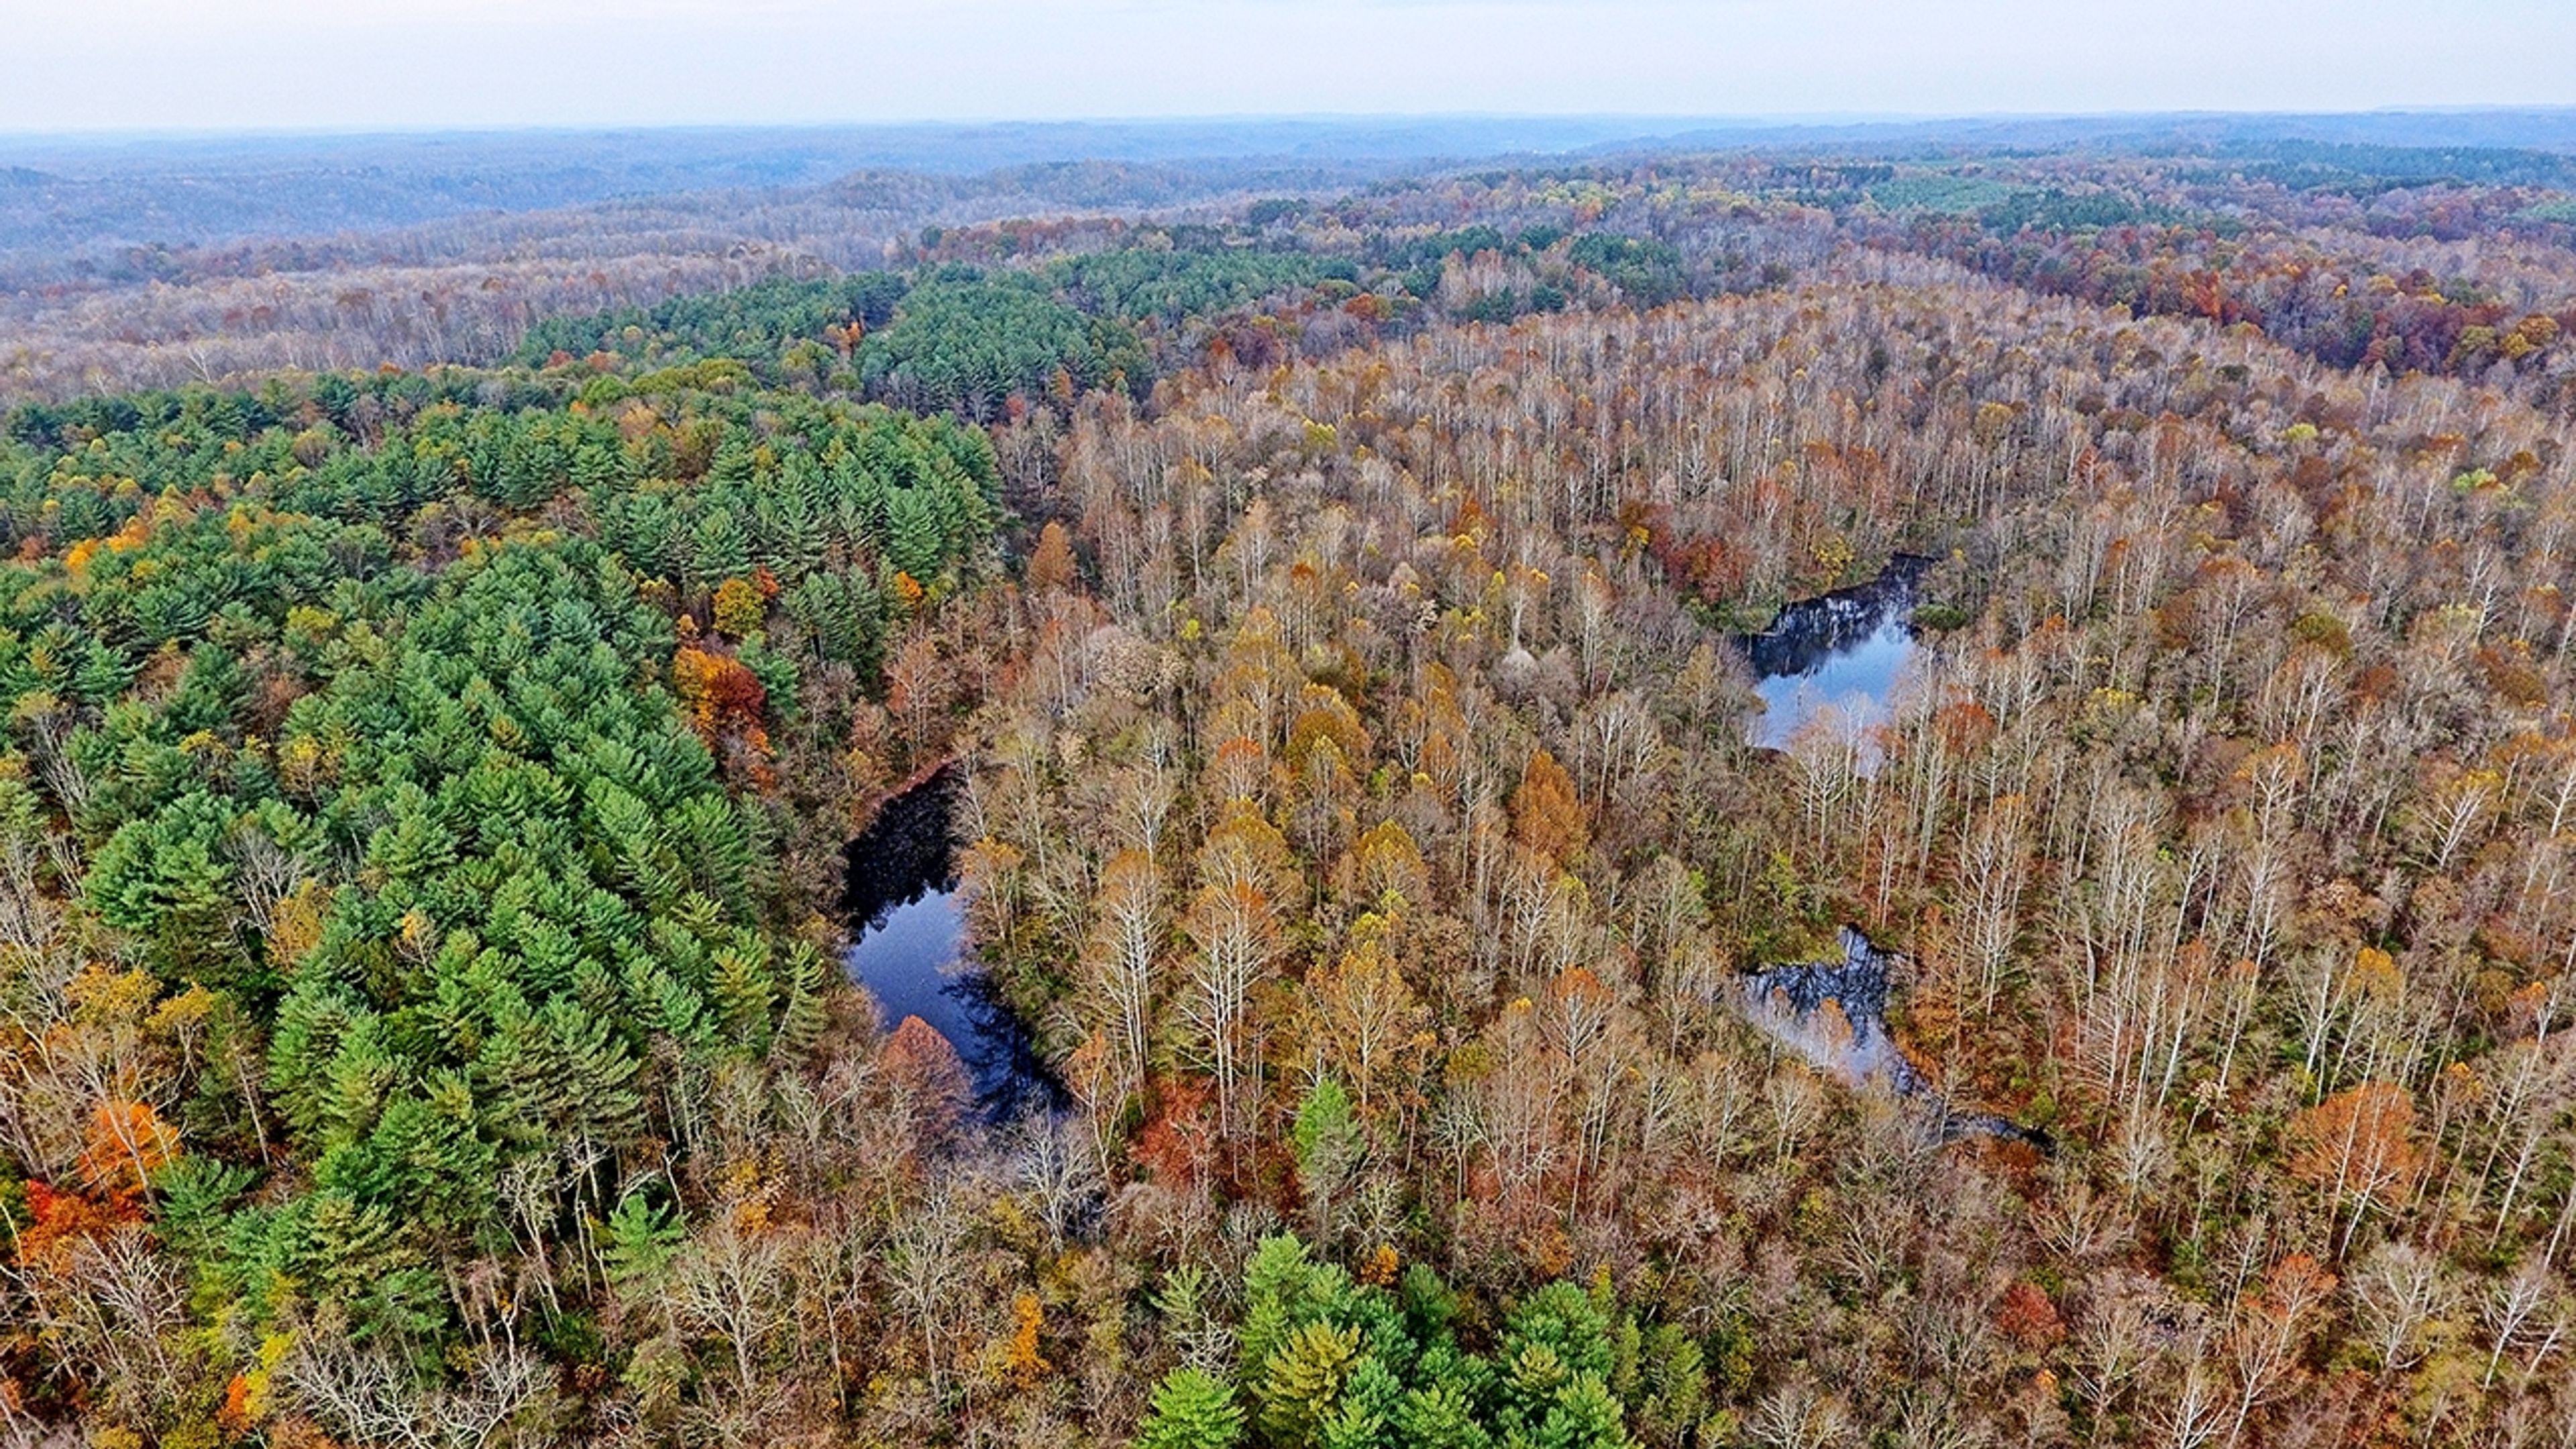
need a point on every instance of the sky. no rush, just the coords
(413, 64)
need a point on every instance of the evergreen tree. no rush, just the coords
(1440, 1414)
(639, 1245)
(1365, 1418)
(1192, 1410)
(1671, 1393)
(1532, 1376)
(1300, 1384)
(1566, 1320)
(1581, 1414)
(1275, 1297)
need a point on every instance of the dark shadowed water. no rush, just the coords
(1849, 1040)
(1834, 1015)
(910, 952)
(1844, 650)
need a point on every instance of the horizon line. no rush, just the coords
(1791, 120)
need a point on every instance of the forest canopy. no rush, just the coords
(428, 791)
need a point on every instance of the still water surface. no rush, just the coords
(910, 952)
(1844, 651)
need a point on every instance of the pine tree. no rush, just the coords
(719, 550)
(1365, 1417)
(1440, 1415)
(744, 990)
(1532, 1375)
(165, 877)
(1329, 1143)
(1567, 1321)
(1274, 1295)
(808, 1010)
(1672, 1382)
(913, 540)
(1582, 1414)
(1192, 1410)
(1301, 1383)
(639, 1244)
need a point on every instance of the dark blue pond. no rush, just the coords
(910, 952)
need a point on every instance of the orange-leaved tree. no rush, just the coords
(2358, 1148)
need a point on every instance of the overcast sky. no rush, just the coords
(87, 64)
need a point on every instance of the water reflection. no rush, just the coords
(910, 953)
(1844, 651)
(1834, 1015)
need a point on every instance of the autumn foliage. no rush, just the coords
(1369, 836)
(1547, 815)
(721, 696)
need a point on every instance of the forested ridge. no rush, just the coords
(424, 797)
(2409, 257)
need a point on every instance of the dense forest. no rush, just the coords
(428, 785)
(2357, 250)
